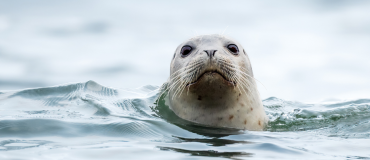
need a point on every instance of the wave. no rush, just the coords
(345, 119)
(90, 108)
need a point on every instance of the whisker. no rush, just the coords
(253, 78)
(224, 30)
(182, 77)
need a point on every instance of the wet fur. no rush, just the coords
(218, 91)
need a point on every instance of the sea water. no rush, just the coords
(91, 121)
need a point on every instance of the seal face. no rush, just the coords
(212, 83)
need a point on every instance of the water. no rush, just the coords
(302, 51)
(90, 121)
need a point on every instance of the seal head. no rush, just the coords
(212, 83)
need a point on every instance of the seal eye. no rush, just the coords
(233, 48)
(185, 51)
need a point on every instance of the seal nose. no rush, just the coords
(210, 53)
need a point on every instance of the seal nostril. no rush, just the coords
(206, 52)
(214, 51)
(210, 53)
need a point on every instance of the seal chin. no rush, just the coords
(212, 76)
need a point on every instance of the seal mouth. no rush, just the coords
(211, 73)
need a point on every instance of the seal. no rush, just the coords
(211, 83)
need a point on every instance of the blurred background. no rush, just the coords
(309, 51)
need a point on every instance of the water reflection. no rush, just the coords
(209, 153)
(214, 141)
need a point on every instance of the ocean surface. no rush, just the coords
(312, 56)
(90, 121)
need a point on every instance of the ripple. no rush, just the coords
(75, 111)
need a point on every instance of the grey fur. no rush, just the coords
(216, 90)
